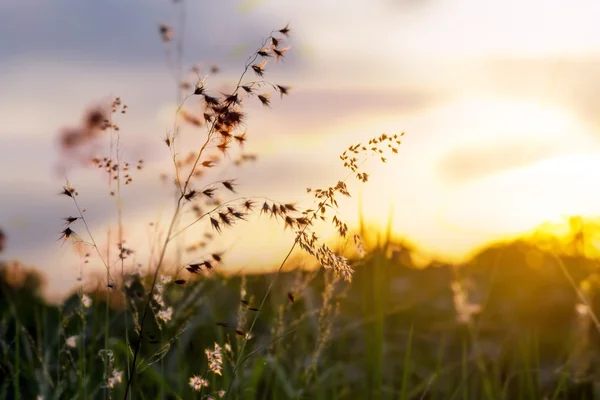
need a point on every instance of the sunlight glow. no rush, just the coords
(516, 200)
(520, 163)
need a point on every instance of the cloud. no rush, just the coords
(470, 163)
(112, 31)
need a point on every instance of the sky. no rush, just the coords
(498, 100)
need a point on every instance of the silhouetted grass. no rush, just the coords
(394, 334)
(366, 326)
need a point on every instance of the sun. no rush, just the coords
(524, 163)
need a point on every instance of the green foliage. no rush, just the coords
(391, 334)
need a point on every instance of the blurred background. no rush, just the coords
(498, 102)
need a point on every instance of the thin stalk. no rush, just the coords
(264, 299)
(17, 359)
(175, 218)
(147, 306)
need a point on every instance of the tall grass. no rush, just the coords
(417, 344)
(191, 331)
(160, 318)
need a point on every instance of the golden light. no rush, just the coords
(480, 169)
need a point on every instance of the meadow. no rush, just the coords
(507, 324)
(356, 316)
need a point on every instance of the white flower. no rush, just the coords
(115, 378)
(72, 341)
(166, 315)
(227, 347)
(165, 279)
(198, 383)
(215, 359)
(159, 299)
(221, 393)
(86, 301)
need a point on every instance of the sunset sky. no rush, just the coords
(499, 102)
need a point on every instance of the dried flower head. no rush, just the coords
(165, 315)
(86, 301)
(215, 359)
(264, 99)
(259, 68)
(72, 341)
(198, 383)
(285, 30)
(115, 378)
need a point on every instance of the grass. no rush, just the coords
(371, 326)
(378, 346)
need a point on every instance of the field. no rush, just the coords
(161, 306)
(508, 324)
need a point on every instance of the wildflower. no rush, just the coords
(159, 299)
(86, 301)
(198, 383)
(215, 359)
(115, 378)
(221, 393)
(166, 315)
(72, 341)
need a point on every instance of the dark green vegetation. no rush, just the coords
(392, 333)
